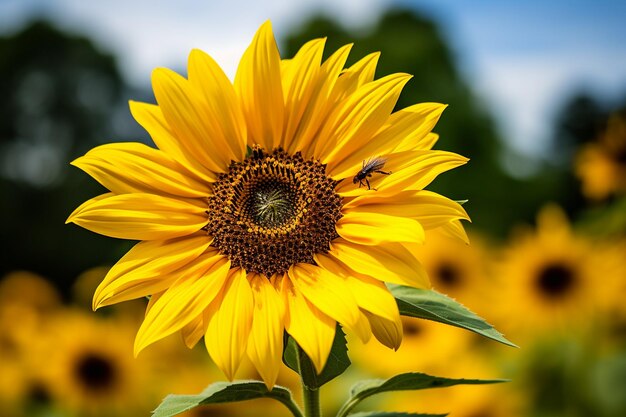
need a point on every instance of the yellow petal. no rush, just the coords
(193, 332)
(185, 300)
(430, 209)
(371, 228)
(299, 82)
(360, 73)
(322, 102)
(223, 111)
(423, 117)
(436, 210)
(328, 292)
(150, 117)
(137, 168)
(148, 268)
(140, 216)
(313, 330)
(89, 203)
(389, 263)
(411, 143)
(363, 329)
(455, 230)
(229, 323)
(258, 85)
(190, 120)
(265, 345)
(411, 125)
(370, 294)
(412, 170)
(387, 332)
(153, 299)
(357, 118)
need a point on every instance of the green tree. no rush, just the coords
(59, 97)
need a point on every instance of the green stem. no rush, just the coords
(311, 402)
(293, 407)
(310, 396)
(347, 407)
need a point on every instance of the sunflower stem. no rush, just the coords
(310, 396)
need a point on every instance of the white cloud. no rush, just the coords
(147, 34)
(523, 82)
(526, 90)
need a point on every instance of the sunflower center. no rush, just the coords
(39, 394)
(555, 280)
(270, 203)
(272, 211)
(448, 274)
(95, 372)
(620, 155)
(411, 329)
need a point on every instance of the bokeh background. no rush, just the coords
(537, 101)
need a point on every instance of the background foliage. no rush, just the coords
(62, 95)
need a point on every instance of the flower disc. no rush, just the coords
(272, 211)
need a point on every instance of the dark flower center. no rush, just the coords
(555, 280)
(39, 394)
(619, 155)
(411, 328)
(448, 274)
(95, 372)
(272, 211)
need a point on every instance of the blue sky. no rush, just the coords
(522, 57)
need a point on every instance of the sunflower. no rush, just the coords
(29, 289)
(601, 165)
(455, 268)
(551, 278)
(436, 343)
(19, 325)
(26, 299)
(84, 375)
(280, 202)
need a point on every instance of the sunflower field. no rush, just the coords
(325, 194)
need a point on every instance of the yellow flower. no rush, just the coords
(26, 300)
(457, 269)
(601, 165)
(86, 367)
(282, 201)
(427, 347)
(29, 289)
(550, 278)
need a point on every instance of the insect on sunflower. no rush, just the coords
(248, 219)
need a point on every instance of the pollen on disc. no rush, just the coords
(272, 211)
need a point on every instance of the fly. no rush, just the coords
(374, 165)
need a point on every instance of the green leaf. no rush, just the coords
(412, 381)
(403, 382)
(432, 305)
(336, 365)
(393, 414)
(224, 392)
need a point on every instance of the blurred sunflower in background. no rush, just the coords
(86, 366)
(29, 289)
(426, 347)
(456, 268)
(282, 202)
(601, 165)
(551, 278)
(26, 300)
